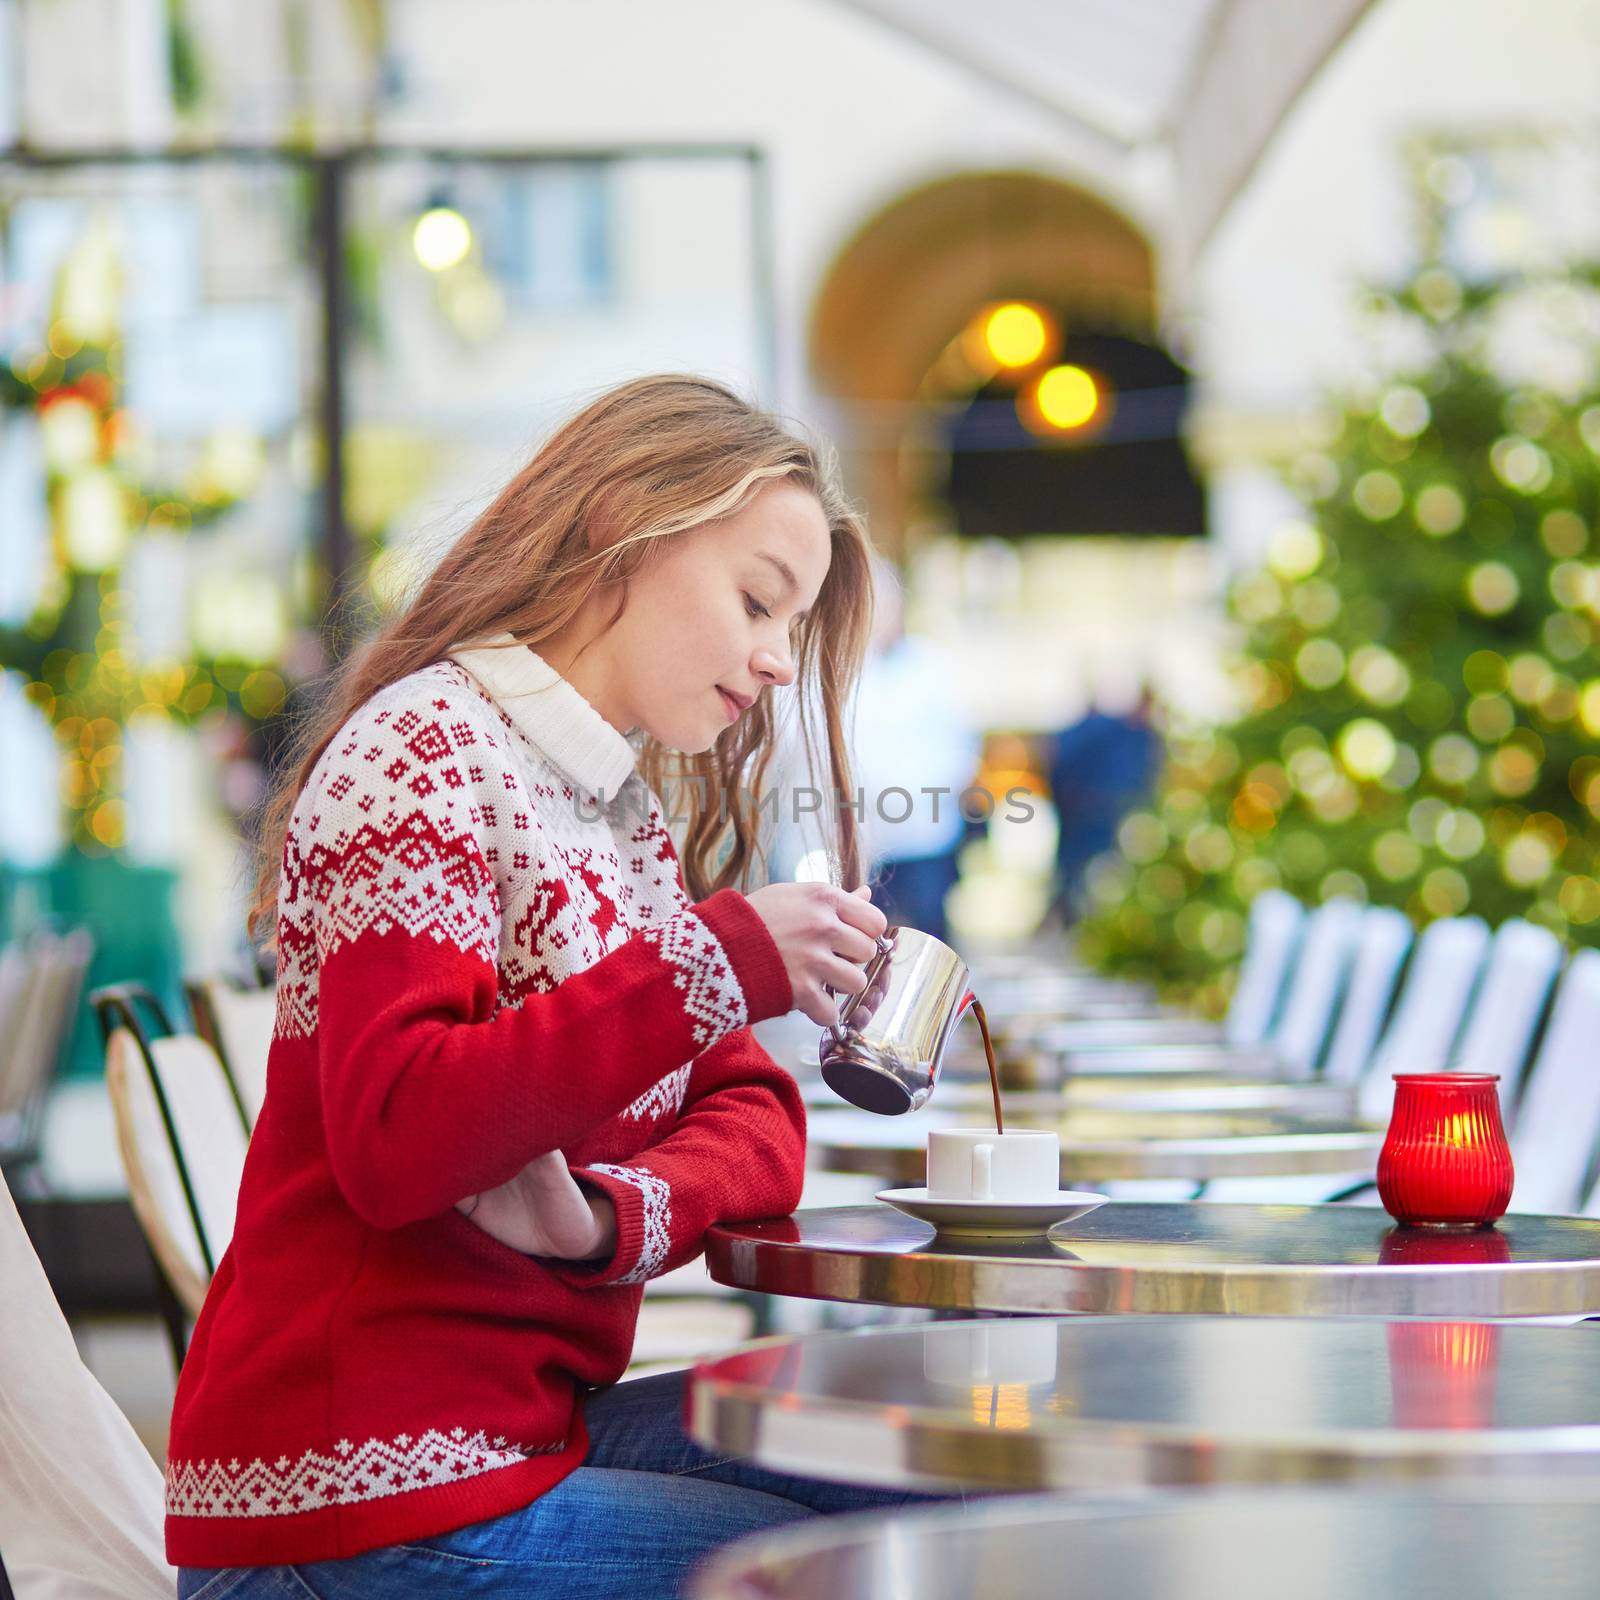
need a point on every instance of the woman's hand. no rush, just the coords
(826, 938)
(543, 1212)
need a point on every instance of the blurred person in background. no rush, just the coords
(513, 1076)
(911, 735)
(1101, 766)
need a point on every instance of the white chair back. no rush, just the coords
(1558, 1122)
(1275, 923)
(245, 1019)
(1381, 945)
(209, 1136)
(1318, 980)
(16, 973)
(81, 1502)
(46, 1002)
(23, 977)
(1427, 1017)
(1498, 1036)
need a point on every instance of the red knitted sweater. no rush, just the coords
(485, 953)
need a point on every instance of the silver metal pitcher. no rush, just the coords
(884, 1052)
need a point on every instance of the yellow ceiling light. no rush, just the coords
(1067, 397)
(1015, 333)
(441, 238)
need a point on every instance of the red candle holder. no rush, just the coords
(1445, 1162)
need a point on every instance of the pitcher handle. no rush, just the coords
(885, 946)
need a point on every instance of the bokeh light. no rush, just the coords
(1016, 333)
(1366, 748)
(1492, 588)
(1067, 397)
(1440, 510)
(1320, 663)
(1378, 495)
(1563, 533)
(1295, 550)
(441, 238)
(1405, 411)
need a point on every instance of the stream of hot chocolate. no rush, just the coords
(994, 1076)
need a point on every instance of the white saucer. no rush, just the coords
(993, 1219)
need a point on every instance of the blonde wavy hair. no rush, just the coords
(648, 461)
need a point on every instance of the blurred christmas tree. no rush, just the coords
(76, 649)
(1418, 665)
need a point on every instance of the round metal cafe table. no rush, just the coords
(1036, 1403)
(1112, 1146)
(1117, 1092)
(1029, 1066)
(1129, 1256)
(1475, 1542)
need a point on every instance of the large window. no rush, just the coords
(180, 370)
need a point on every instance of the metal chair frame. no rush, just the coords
(116, 1006)
(209, 1029)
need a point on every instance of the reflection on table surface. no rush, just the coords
(1464, 1542)
(1238, 1378)
(1111, 1400)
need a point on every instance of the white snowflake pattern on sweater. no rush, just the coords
(661, 1099)
(454, 826)
(370, 1471)
(656, 1194)
(711, 993)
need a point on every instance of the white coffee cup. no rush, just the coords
(980, 1164)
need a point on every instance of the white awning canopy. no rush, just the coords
(1207, 81)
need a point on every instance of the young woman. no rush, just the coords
(513, 1076)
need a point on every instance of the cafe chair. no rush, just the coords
(1510, 1002)
(1382, 945)
(1557, 1127)
(1499, 1028)
(19, 981)
(41, 980)
(81, 1502)
(1316, 983)
(1434, 998)
(238, 1022)
(1513, 999)
(1434, 995)
(182, 1140)
(1271, 945)
(1043, 1052)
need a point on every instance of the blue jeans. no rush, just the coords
(633, 1521)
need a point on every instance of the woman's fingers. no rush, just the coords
(850, 944)
(843, 977)
(820, 1006)
(858, 911)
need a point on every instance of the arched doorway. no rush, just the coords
(910, 280)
